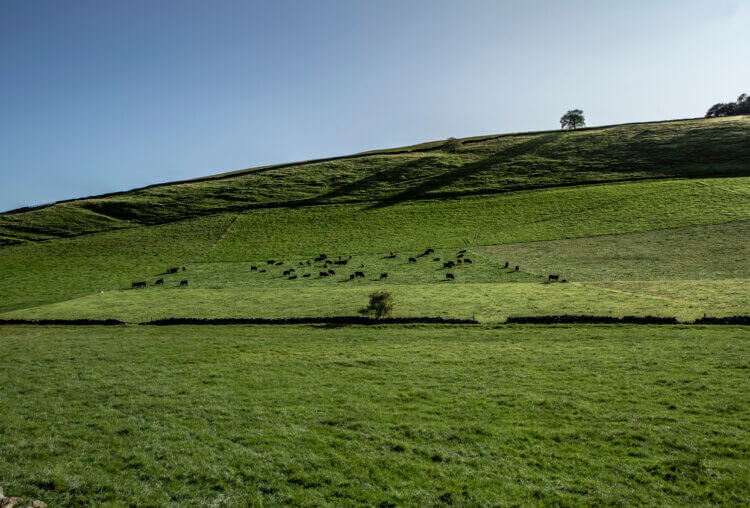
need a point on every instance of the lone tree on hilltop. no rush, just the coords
(572, 119)
(381, 305)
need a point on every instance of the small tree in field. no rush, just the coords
(572, 119)
(380, 306)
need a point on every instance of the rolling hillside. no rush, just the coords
(644, 203)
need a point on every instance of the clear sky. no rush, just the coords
(105, 95)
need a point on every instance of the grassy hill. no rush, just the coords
(642, 219)
(498, 197)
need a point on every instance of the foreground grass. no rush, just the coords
(403, 415)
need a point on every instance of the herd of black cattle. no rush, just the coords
(291, 274)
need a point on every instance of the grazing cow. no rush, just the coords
(392, 255)
(467, 261)
(141, 284)
(383, 276)
(450, 276)
(183, 269)
(261, 271)
(506, 264)
(183, 282)
(362, 265)
(271, 261)
(462, 251)
(286, 272)
(553, 277)
(306, 275)
(341, 262)
(301, 263)
(460, 256)
(351, 277)
(359, 275)
(436, 259)
(322, 256)
(328, 262)
(564, 280)
(428, 252)
(449, 264)
(516, 267)
(159, 282)
(460, 260)
(292, 277)
(171, 270)
(253, 268)
(323, 274)
(331, 272)
(292, 270)
(279, 263)
(412, 260)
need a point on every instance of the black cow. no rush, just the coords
(323, 274)
(462, 251)
(436, 259)
(301, 263)
(428, 252)
(172, 270)
(183, 269)
(141, 284)
(467, 261)
(450, 276)
(392, 255)
(383, 276)
(331, 272)
(506, 264)
(253, 268)
(553, 277)
(292, 277)
(359, 275)
(351, 277)
(449, 264)
(159, 282)
(306, 275)
(564, 280)
(271, 261)
(261, 271)
(412, 260)
(460, 256)
(183, 282)
(516, 267)
(279, 263)
(286, 272)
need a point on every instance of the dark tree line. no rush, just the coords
(741, 107)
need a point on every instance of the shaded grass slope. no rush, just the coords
(696, 148)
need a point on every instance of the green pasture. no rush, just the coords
(308, 415)
(486, 302)
(708, 251)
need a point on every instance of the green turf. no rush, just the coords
(513, 217)
(712, 251)
(209, 416)
(37, 273)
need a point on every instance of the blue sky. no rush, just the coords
(98, 96)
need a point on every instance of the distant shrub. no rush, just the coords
(380, 306)
(741, 107)
(452, 145)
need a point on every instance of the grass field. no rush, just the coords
(397, 415)
(219, 250)
(643, 219)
